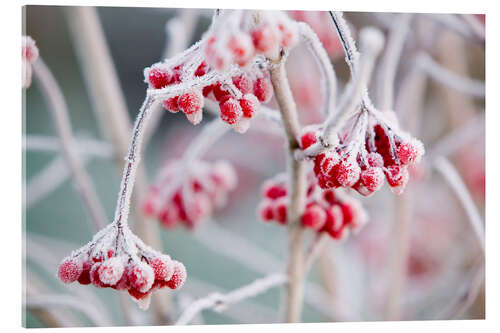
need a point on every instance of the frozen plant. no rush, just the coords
(176, 198)
(331, 211)
(227, 66)
(118, 259)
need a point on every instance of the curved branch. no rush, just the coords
(59, 112)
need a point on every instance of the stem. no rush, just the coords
(297, 190)
(453, 178)
(391, 59)
(59, 112)
(109, 104)
(219, 301)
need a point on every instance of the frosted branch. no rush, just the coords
(59, 112)
(450, 79)
(85, 146)
(451, 175)
(219, 302)
(390, 60)
(321, 56)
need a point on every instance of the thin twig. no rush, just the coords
(390, 60)
(219, 301)
(450, 79)
(59, 112)
(85, 146)
(451, 175)
(297, 189)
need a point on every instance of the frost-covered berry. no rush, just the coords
(84, 277)
(288, 34)
(372, 178)
(272, 190)
(163, 267)
(265, 40)
(178, 277)
(159, 77)
(266, 210)
(375, 160)
(410, 152)
(314, 217)
(308, 139)
(243, 83)
(249, 105)
(196, 117)
(137, 294)
(397, 177)
(141, 277)
(348, 173)
(69, 270)
(95, 278)
(111, 270)
(191, 102)
(230, 111)
(263, 89)
(29, 50)
(280, 210)
(172, 104)
(241, 47)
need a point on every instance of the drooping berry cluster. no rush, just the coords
(331, 211)
(364, 157)
(191, 199)
(228, 66)
(29, 53)
(116, 258)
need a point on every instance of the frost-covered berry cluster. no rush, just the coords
(228, 66)
(116, 258)
(331, 211)
(189, 200)
(365, 156)
(29, 53)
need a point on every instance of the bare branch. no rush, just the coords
(59, 112)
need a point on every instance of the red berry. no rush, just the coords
(84, 277)
(280, 210)
(69, 270)
(159, 77)
(123, 283)
(141, 277)
(266, 210)
(163, 268)
(265, 39)
(314, 217)
(207, 90)
(171, 104)
(308, 139)
(111, 271)
(397, 177)
(178, 277)
(249, 105)
(230, 111)
(191, 102)
(348, 173)
(263, 89)
(94, 276)
(272, 190)
(243, 83)
(241, 48)
(409, 152)
(375, 160)
(372, 178)
(334, 220)
(202, 69)
(219, 92)
(137, 294)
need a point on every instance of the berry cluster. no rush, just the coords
(228, 66)
(362, 164)
(118, 259)
(29, 53)
(189, 200)
(330, 211)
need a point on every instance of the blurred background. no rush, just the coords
(351, 279)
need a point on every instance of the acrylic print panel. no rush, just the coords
(197, 166)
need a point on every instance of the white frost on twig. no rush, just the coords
(219, 302)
